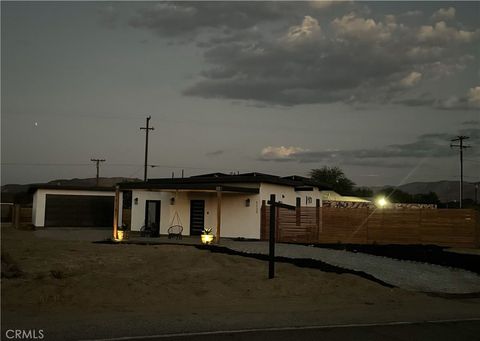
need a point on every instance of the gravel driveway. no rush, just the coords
(403, 274)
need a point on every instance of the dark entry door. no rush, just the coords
(197, 216)
(152, 216)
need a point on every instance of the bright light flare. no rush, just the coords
(382, 202)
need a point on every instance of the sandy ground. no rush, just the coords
(169, 288)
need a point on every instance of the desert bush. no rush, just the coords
(10, 268)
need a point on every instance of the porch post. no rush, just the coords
(115, 212)
(219, 213)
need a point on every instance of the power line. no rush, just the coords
(461, 147)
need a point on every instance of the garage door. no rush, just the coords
(78, 211)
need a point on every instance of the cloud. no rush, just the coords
(395, 155)
(280, 153)
(352, 27)
(444, 14)
(441, 34)
(287, 54)
(471, 100)
(180, 19)
(411, 79)
(215, 153)
(473, 97)
(413, 13)
(309, 29)
(471, 122)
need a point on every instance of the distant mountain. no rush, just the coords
(18, 193)
(446, 190)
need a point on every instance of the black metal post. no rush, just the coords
(271, 240)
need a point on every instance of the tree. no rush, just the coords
(364, 192)
(395, 195)
(429, 198)
(334, 177)
(398, 196)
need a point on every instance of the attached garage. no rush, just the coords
(73, 207)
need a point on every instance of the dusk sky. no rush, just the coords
(377, 88)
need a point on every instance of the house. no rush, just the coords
(230, 201)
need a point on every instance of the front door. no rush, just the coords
(152, 216)
(197, 216)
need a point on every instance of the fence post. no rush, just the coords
(477, 227)
(317, 219)
(298, 211)
(263, 221)
(271, 240)
(366, 225)
(419, 227)
(277, 223)
(17, 212)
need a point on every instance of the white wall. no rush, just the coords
(288, 195)
(40, 196)
(237, 220)
(138, 210)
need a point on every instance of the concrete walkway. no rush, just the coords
(403, 274)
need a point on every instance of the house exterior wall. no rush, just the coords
(138, 210)
(237, 220)
(288, 195)
(40, 200)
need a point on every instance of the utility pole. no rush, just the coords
(461, 147)
(97, 161)
(147, 128)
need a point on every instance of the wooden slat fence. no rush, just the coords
(444, 227)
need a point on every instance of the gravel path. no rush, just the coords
(403, 274)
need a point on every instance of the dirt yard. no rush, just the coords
(53, 280)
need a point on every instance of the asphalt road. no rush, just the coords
(438, 331)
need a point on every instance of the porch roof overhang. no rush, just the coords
(189, 187)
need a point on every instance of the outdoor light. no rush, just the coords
(172, 201)
(382, 202)
(135, 201)
(247, 202)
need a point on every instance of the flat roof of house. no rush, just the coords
(215, 179)
(33, 188)
(191, 187)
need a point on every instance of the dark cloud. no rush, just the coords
(215, 153)
(471, 122)
(395, 155)
(191, 18)
(294, 53)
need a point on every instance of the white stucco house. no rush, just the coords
(232, 202)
